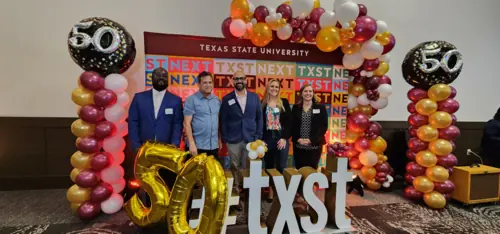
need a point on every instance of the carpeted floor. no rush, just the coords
(47, 211)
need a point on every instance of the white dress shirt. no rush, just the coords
(242, 100)
(157, 99)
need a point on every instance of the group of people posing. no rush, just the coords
(240, 117)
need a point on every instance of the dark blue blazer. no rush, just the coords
(237, 126)
(142, 125)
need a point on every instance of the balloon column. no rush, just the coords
(430, 67)
(104, 49)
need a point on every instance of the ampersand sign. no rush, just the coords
(173, 204)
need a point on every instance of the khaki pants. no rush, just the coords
(238, 156)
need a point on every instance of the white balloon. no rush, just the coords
(112, 174)
(118, 157)
(285, 32)
(121, 128)
(385, 58)
(253, 21)
(113, 204)
(238, 27)
(381, 103)
(122, 99)
(248, 147)
(249, 26)
(327, 19)
(338, 3)
(353, 61)
(352, 102)
(118, 186)
(115, 113)
(384, 90)
(116, 83)
(251, 6)
(301, 8)
(252, 154)
(347, 12)
(114, 144)
(369, 74)
(389, 178)
(363, 100)
(261, 150)
(368, 158)
(371, 49)
(386, 184)
(382, 26)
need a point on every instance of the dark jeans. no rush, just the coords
(275, 158)
(306, 157)
(214, 153)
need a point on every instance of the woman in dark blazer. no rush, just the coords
(310, 123)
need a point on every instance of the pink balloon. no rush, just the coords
(371, 65)
(112, 174)
(415, 169)
(87, 178)
(88, 210)
(114, 144)
(361, 144)
(416, 145)
(316, 14)
(225, 28)
(89, 145)
(119, 186)
(92, 80)
(104, 129)
(101, 160)
(385, 80)
(113, 204)
(449, 105)
(450, 133)
(260, 13)
(411, 107)
(91, 114)
(416, 94)
(448, 161)
(105, 97)
(411, 193)
(366, 28)
(445, 187)
(311, 31)
(101, 192)
(118, 157)
(285, 10)
(390, 46)
(417, 120)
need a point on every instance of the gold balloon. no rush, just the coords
(426, 106)
(378, 145)
(317, 4)
(328, 39)
(75, 194)
(351, 136)
(385, 158)
(373, 184)
(261, 34)
(239, 9)
(383, 68)
(423, 184)
(80, 128)
(367, 110)
(351, 47)
(383, 38)
(358, 90)
(427, 133)
(437, 174)
(435, 200)
(368, 172)
(82, 96)
(426, 158)
(440, 147)
(74, 207)
(439, 92)
(286, 2)
(440, 119)
(349, 87)
(81, 160)
(74, 173)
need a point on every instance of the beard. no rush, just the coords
(239, 87)
(160, 86)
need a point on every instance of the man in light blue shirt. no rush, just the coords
(201, 118)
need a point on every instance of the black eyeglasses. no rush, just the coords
(239, 78)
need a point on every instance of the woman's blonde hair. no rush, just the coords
(315, 98)
(265, 100)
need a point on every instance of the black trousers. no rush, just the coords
(214, 152)
(306, 157)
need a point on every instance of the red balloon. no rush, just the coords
(414, 169)
(316, 14)
(366, 28)
(87, 178)
(91, 114)
(385, 80)
(358, 80)
(384, 167)
(363, 11)
(104, 129)
(225, 28)
(260, 13)
(297, 35)
(416, 94)
(350, 151)
(285, 10)
(416, 145)
(390, 46)
(101, 160)
(413, 131)
(354, 163)
(453, 92)
(311, 31)
(417, 120)
(411, 193)
(92, 80)
(453, 119)
(355, 73)
(358, 122)
(371, 65)
(411, 108)
(449, 105)
(101, 192)
(450, 133)
(448, 161)
(361, 144)
(374, 128)
(88, 210)
(445, 187)
(89, 145)
(409, 178)
(411, 155)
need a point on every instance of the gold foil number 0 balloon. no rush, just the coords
(173, 204)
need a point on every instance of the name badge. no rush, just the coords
(276, 109)
(315, 111)
(169, 111)
(231, 102)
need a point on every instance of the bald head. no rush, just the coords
(160, 78)
(239, 80)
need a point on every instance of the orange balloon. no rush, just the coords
(373, 184)
(367, 110)
(426, 158)
(351, 47)
(435, 200)
(358, 90)
(439, 92)
(378, 145)
(427, 133)
(437, 174)
(351, 136)
(368, 172)
(328, 39)
(82, 96)
(423, 184)
(261, 34)
(440, 119)
(383, 68)
(239, 9)
(440, 147)
(426, 106)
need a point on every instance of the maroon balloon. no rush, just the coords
(371, 65)
(390, 46)
(374, 128)
(416, 94)
(91, 114)
(447, 196)
(92, 80)
(384, 167)
(411, 155)
(416, 120)
(101, 160)
(448, 161)
(316, 14)
(104, 129)
(450, 170)
(361, 144)
(409, 178)
(414, 169)
(89, 145)
(372, 82)
(453, 92)
(449, 105)
(450, 133)
(366, 28)
(358, 80)
(260, 13)
(105, 98)
(453, 146)
(351, 152)
(411, 193)
(385, 80)
(445, 187)
(354, 163)
(416, 145)
(453, 119)
(87, 178)
(101, 192)
(413, 131)
(311, 31)
(374, 111)
(358, 122)
(285, 10)
(363, 11)
(226, 32)
(355, 73)
(88, 210)
(297, 35)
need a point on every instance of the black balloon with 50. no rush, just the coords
(101, 45)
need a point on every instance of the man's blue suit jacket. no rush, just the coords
(143, 126)
(237, 126)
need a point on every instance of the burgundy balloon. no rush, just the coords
(416, 120)
(363, 11)
(355, 73)
(311, 31)
(371, 65)
(101, 192)
(260, 13)
(447, 196)
(411, 107)
(89, 145)
(411, 193)
(358, 122)
(104, 129)
(374, 128)
(384, 167)
(409, 178)
(101, 160)
(92, 80)
(105, 98)
(285, 10)
(87, 178)
(450, 133)
(374, 111)
(411, 155)
(416, 94)
(91, 114)
(445, 187)
(450, 170)
(448, 161)
(226, 32)
(416, 145)
(358, 80)
(449, 105)
(88, 210)
(354, 163)
(316, 14)
(414, 169)
(453, 119)
(361, 144)
(366, 28)
(372, 82)
(413, 131)
(385, 80)
(297, 35)
(453, 146)
(390, 46)
(453, 92)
